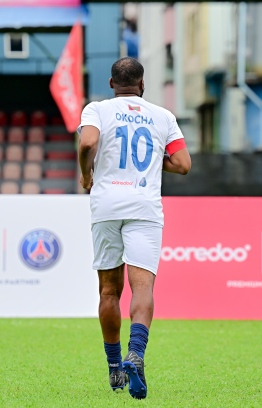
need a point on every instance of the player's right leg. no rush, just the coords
(141, 314)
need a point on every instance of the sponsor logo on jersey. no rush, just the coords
(138, 119)
(123, 183)
(143, 182)
(136, 108)
(40, 249)
(202, 254)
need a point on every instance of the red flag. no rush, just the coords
(66, 84)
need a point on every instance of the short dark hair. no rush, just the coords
(127, 71)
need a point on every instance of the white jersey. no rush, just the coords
(128, 165)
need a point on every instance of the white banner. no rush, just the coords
(46, 257)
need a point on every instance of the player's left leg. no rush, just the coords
(108, 249)
(142, 243)
(111, 284)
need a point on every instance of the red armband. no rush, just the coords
(175, 146)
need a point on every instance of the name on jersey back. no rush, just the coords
(138, 119)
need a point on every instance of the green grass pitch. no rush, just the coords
(51, 363)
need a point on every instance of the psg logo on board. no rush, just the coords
(40, 249)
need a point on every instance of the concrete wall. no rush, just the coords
(217, 175)
(152, 52)
(221, 41)
(254, 35)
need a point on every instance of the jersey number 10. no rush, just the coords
(122, 132)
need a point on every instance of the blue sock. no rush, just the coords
(114, 358)
(138, 339)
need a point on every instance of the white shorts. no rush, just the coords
(134, 242)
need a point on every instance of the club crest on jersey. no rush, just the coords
(143, 182)
(135, 108)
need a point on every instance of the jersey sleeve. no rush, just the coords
(175, 139)
(90, 116)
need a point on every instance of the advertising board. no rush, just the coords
(211, 266)
(46, 257)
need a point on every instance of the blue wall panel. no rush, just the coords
(102, 38)
(253, 121)
(37, 62)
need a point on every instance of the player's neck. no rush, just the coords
(127, 91)
(126, 94)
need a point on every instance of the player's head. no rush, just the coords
(127, 74)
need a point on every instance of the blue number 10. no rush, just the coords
(122, 132)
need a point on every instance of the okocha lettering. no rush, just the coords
(138, 119)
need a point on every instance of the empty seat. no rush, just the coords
(32, 171)
(14, 153)
(18, 118)
(38, 118)
(12, 171)
(54, 191)
(16, 135)
(2, 135)
(57, 121)
(36, 135)
(3, 118)
(64, 155)
(34, 153)
(30, 188)
(57, 137)
(60, 173)
(9, 187)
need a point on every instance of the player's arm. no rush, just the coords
(178, 159)
(88, 143)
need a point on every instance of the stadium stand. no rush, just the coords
(37, 153)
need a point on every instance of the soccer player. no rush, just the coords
(125, 139)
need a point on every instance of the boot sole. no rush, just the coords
(137, 389)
